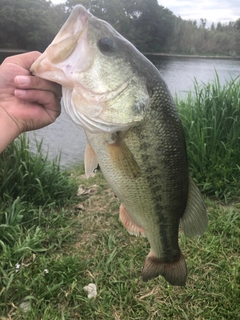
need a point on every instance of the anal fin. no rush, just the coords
(174, 272)
(194, 220)
(128, 223)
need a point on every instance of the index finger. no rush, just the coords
(24, 60)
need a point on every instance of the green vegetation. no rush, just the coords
(32, 24)
(29, 24)
(53, 243)
(71, 249)
(210, 117)
(31, 177)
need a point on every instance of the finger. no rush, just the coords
(33, 82)
(45, 98)
(24, 60)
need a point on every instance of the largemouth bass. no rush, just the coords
(134, 133)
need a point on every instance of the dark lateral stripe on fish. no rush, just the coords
(174, 272)
(168, 225)
(169, 238)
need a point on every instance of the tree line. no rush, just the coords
(32, 25)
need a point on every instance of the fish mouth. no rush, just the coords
(69, 44)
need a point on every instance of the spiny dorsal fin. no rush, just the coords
(194, 220)
(90, 160)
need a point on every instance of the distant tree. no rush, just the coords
(59, 15)
(153, 25)
(203, 23)
(237, 24)
(32, 24)
(219, 26)
(26, 24)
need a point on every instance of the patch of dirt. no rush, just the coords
(96, 200)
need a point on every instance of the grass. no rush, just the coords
(210, 117)
(54, 243)
(63, 252)
(31, 176)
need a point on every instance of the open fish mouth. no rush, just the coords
(68, 50)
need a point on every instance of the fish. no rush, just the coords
(134, 134)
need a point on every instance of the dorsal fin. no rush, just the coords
(194, 220)
(90, 160)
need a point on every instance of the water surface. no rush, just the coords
(179, 72)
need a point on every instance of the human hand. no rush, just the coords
(26, 102)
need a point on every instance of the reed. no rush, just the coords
(210, 116)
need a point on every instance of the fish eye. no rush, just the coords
(106, 44)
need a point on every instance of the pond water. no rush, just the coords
(179, 73)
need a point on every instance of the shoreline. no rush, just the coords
(12, 51)
(156, 54)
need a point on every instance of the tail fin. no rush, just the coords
(174, 272)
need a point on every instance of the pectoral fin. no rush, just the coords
(90, 160)
(123, 159)
(194, 220)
